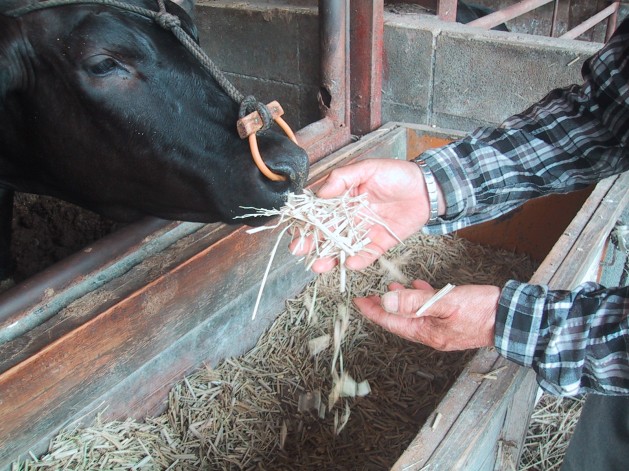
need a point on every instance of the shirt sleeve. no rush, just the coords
(576, 341)
(572, 138)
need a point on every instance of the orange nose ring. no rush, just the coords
(252, 123)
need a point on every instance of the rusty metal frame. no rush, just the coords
(366, 39)
(508, 13)
(494, 19)
(332, 131)
(29, 303)
(610, 13)
(446, 10)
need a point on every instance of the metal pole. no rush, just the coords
(506, 14)
(446, 10)
(332, 27)
(553, 23)
(591, 22)
(611, 22)
(332, 131)
(366, 40)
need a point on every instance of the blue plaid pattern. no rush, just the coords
(577, 341)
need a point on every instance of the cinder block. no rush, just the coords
(486, 77)
(407, 65)
(270, 51)
(434, 73)
(260, 40)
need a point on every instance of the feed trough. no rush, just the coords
(182, 296)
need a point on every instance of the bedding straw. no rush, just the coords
(323, 388)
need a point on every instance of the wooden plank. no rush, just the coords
(462, 443)
(584, 238)
(516, 423)
(188, 304)
(533, 228)
(449, 410)
(464, 415)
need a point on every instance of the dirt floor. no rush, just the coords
(46, 230)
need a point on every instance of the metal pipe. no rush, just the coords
(333, 40)
(506, 14)
(611, 22)
(333, 130)
(366, 40)
(446, 10)
(37, 299)
(553, 23)
(590, 22)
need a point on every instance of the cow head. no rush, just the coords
(103, 108)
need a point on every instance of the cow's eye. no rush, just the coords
(101, 65)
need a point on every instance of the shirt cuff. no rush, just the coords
(455, 185)
(518, 321)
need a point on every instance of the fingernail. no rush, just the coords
(390, 301)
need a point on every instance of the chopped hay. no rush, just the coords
(338, 228)
(552, 425)
(275, 407)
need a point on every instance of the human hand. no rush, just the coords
(397, 195)
(463, 319)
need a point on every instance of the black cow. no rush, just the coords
(104, 108)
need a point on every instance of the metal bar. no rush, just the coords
(590, 22)
(506, 14)
(446, 10)
(611, 22)
(70, 277)
(553, 23)
(333, 39)
(366, 40)
(44, 294)
(333, 95)
(322, 138)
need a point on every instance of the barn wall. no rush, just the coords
(435, 73)
(452, 76)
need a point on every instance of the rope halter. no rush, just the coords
(254, 116)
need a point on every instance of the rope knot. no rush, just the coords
(249, 104)
(167, 20)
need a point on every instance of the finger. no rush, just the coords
(335, 185)
(405, 302)
(300, 245)
(360, 261)
(398, 325)
(323, 265)
(421, 284)
(365, 257)
(395, 286)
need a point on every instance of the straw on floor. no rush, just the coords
(275, 406)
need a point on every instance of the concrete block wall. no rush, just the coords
(442, 74)
(452, 76)
(267, 50)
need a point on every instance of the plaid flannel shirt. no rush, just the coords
(578, 340)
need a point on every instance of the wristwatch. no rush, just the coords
(431, 186)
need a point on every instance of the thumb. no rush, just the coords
(332, 187)
(405, 302)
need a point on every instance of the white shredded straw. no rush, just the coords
(438, 295)
(338, 228)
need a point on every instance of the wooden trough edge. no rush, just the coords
(189, 304)
(498, 410)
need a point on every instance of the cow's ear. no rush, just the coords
(10, 56)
